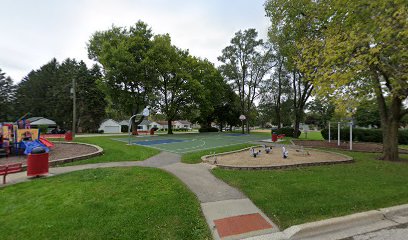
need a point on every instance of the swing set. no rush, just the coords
(350, 123)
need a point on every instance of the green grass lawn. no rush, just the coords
(313, 135)
(115, 151)
(307, 194)
(115, 203)
(195, 157)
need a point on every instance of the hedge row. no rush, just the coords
(210, 129)
(363, 135)
(287, 131)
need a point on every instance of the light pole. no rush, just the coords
(73, 91)
(329, 133)
(145, 113)
(338, 133)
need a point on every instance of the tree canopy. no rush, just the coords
(245, 62)
(350, 49)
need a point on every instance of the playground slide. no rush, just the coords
(47, 143)
(29, 145)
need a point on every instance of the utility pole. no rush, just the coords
(73, 107)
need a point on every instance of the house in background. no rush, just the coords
(144, 125)
(182, 124)
(110, 126)
(162, 125)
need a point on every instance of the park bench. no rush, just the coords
(10, 168)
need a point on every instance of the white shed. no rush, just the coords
(110, 126)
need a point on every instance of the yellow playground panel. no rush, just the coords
(27, 133)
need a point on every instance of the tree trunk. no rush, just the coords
(390, 141)
(278, 117)
(390, 118)
(297, 124)
(247, 125)
(221, 127)
(136, 123)
(169, 127)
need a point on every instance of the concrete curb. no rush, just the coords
(333, 224)
(57, 162)
(397, 214)
(346, 225)
(206, 158)
(82, 157)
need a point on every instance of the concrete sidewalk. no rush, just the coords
(228, 212)
(231, 215)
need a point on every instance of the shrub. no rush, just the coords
(288, 131)
(43, 128)
(181, 129)
(403, 137)
(209, 129)
(124, 128)
(363, 135)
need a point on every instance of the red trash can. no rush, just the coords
(68, 136)
(37, 164)
(274, 137)
(152, 131)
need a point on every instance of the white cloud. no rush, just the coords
(33, 32)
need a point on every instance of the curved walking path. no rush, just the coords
(228, 212)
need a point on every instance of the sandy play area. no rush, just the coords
(296, 157)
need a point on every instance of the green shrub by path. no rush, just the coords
(289, 132)
(363, 135)
(195, 157)
(296, 196)
(115, 203)
(115, 151)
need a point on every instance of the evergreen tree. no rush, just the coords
(7, 97)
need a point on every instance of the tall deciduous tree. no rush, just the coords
(275, 91)
(293, 21)
(174, 84)
(245, 63)
(7, 97)
(321, 110)
(363, 50)
(215, 101)
(128, 78)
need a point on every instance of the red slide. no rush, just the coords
(47, 143)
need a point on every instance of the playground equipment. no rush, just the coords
(254, 153)
(338, 133)
(144, 113)
(267, 149)
(20, 136)
(285, 153)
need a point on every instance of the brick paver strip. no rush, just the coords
(241, 224)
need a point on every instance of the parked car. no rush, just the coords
(58, 131)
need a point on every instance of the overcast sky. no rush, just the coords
(35, 31)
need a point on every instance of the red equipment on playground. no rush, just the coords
(47, 143)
